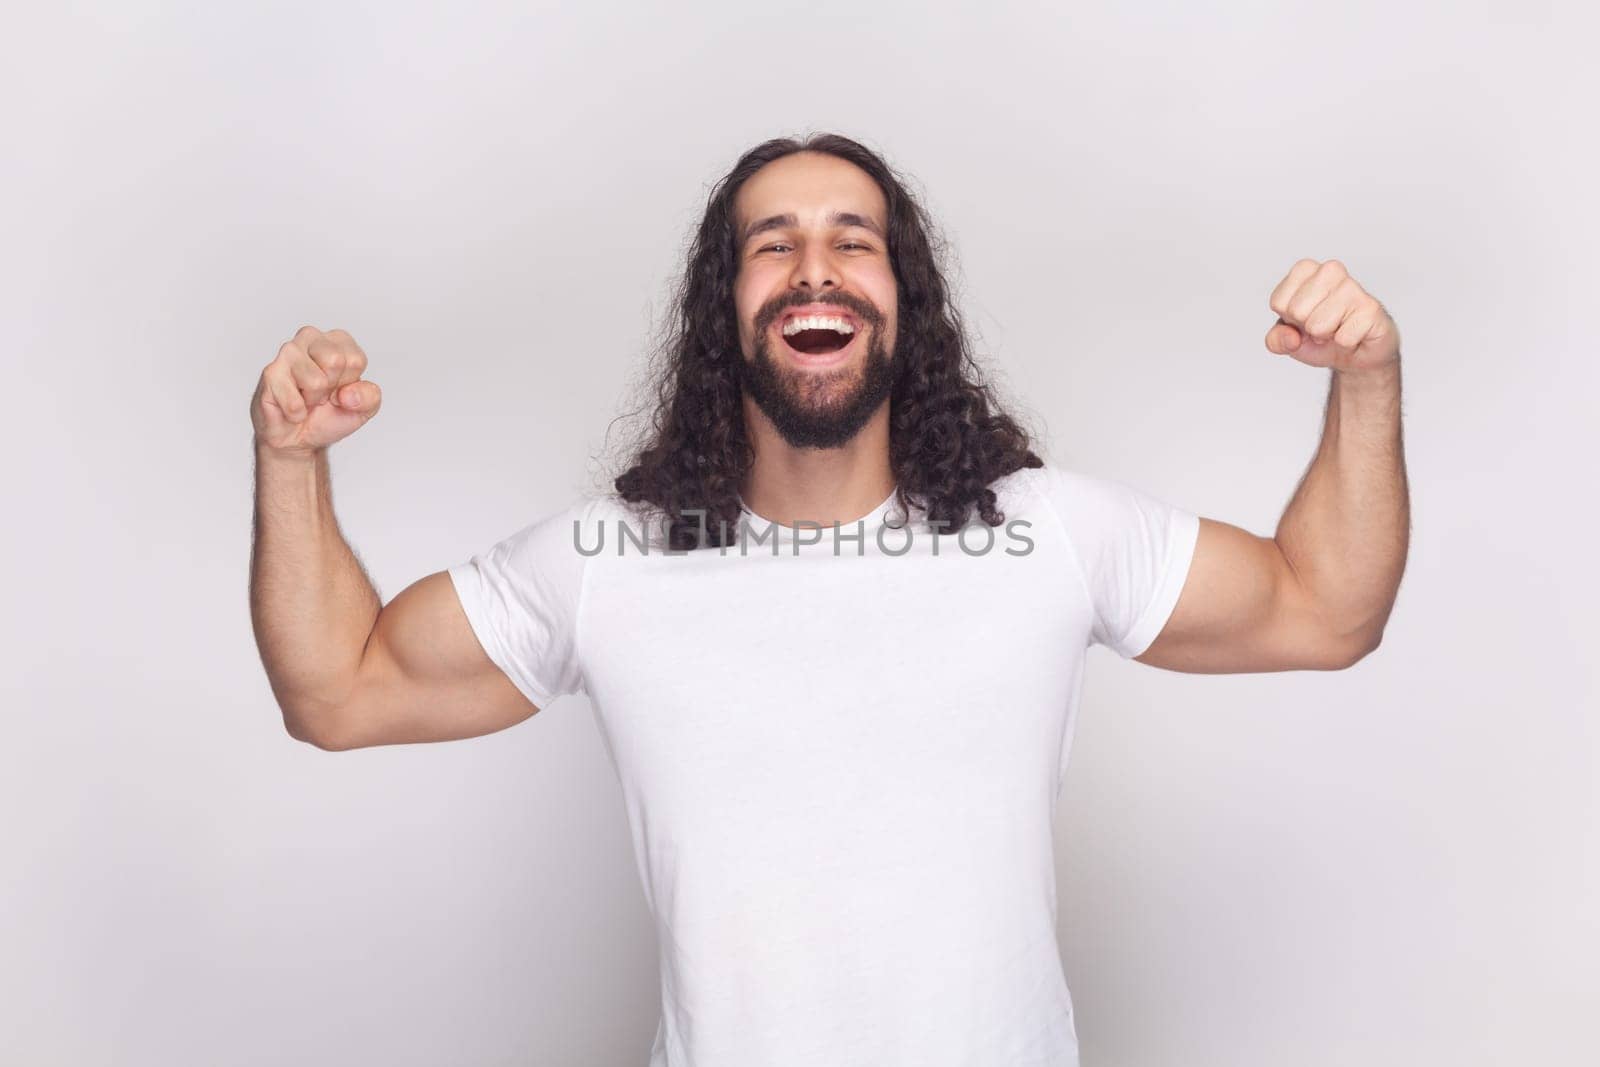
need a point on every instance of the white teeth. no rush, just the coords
(817, 322)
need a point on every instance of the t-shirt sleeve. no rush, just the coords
(1133, 549)
(521, 597)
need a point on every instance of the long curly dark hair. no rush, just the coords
(948, 438)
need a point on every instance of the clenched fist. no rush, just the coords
(1326, 319)
(311, 394)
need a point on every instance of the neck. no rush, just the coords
(821, 485)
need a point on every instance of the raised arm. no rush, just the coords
(348, 671)
(1317, 595)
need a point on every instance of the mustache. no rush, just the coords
(863, 310)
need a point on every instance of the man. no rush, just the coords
(838, 692)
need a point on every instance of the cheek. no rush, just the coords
(743, 313)
(886, 296)
(746, 302)
(881, 289)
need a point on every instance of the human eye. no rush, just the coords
(766, 248)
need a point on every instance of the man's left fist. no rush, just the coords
(1327, 320)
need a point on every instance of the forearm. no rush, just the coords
(311, 603)
(1347, 528)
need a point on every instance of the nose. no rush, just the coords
(814, 268)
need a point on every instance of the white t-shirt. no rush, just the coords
(841, 755)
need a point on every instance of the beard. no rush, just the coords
(818, 409)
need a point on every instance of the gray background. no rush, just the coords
(1389, 865)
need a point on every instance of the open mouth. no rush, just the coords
(818, 336)
(818, 342)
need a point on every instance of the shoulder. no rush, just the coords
(1081, 499)
(1098, 514)
(1052, 490)
(588, 511)
(1020, 492)
(548, 546)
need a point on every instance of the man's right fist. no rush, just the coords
(311, 394)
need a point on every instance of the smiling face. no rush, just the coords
(815, 297)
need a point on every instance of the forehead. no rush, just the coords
(811, 186)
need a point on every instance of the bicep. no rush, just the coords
(426, 677)
(1243, 610)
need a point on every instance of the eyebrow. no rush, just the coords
(838, 218)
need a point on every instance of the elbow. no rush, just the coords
(326, 744)
(315, 730)
(1342, 640)
(1347, 651)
